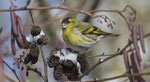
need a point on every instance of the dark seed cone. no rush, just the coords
(27, 59)
(66, 67)
(27, 45)
(33, 55)
(44, 40)
(70, 70)
(83, 62)
(72, 74)
(68, 63)
(53, 61)
(73, 77)
(58, 72)
(36, 30)
(40, 41)
(27, 74)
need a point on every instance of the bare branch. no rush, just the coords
(10, 78)
(125, 75)
(98, 55)
(35, 70)
(31, 17)
(12, 70)
(11, 2)
(58, 7)
(108, 58)
(45, 66)
(27, 4)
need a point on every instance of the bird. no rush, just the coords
(81, 36)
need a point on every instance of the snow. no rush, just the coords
(65, 54)
(33, 39)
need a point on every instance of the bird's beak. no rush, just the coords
(64, 25)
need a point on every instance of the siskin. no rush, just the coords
(81, 36)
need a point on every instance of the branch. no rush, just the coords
(10, 78)
(58, 7)
(45, 66)
(98, 55)
(31, 17)
(108, 58)
(94, 6)
(123, 76)
(11, 2)
(35, 70)
(105, 55)
(12, 70)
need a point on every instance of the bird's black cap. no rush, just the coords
(66, 20)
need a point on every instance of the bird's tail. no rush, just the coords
(113, 35)
(104, 35)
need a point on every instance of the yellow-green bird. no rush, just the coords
(81, 36)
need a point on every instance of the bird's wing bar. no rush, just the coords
(94, 30)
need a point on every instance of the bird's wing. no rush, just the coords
(86, 28)
(82, 26)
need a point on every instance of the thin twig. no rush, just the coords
(102, 10)
(11, 2)
(103, 55)
(12, 70)
(10, 78)
(89, 57)
(27, 4)
(35, 70)
(124, 19)
(108, 58)
(58, 7)
(31, 17)
(98, 63)
(45, 66)
(123, 76)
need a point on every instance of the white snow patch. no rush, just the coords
(79, 68)
(65, 54)
(32, 39)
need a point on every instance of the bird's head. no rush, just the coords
(68, 22)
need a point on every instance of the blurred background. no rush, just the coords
(49, 21)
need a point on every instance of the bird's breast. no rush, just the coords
(72, 38)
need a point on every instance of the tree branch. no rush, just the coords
(58, 7)
(123, 76)
(11, 2)
(45, 66)
(110, 57)
(35, 70)
(10, 78)
(12, 70)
